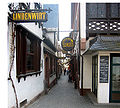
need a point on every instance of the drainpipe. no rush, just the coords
(82, 77)
(79, 43)
(79, 47)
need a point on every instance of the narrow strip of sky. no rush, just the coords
(64, 19)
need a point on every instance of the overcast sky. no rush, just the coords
(64, 19)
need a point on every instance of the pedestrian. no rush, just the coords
(64, 71)
(70, 77)
(67, 72)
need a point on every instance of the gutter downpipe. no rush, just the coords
(82, 77)
(79, 58)
(79, 43)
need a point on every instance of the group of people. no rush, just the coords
(71, 78)
(69, 74)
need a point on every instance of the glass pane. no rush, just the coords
(116, 78)
(30, 62)
(92, 11)
(96, 75)
(116, 60)
(114, 10)
(96, 60)
(119, 9)
(29, 45)
(101, 10)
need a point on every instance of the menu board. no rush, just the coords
(104, 68)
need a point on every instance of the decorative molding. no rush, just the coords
(99, 26)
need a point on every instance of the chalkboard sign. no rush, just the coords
(104, 67)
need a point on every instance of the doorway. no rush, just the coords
(115, 78)
(94, 74)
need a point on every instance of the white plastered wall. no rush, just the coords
(83, 35)
(104, 88)
(87, 72)
(32, 86)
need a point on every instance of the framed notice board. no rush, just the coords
(104, 68)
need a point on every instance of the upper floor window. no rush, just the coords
(103, 10)
(96, 10)
(28, 52)
(115, 10)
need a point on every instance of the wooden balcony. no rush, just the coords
(103, 26)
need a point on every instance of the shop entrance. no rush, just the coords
(115, 78)
(94, 74)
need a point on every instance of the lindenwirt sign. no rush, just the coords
(29, 16)
(67, 44)
(23, 13)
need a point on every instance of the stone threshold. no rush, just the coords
(93, 99)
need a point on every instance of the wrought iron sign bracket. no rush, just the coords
(33, 10)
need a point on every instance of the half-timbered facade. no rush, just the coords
(101, 57)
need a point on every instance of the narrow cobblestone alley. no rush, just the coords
(63, 95)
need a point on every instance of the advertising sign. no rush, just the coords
(68, 44)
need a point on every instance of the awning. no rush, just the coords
(104, 43)
(49, 52)
(49, 44)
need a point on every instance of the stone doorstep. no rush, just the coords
(94, 101)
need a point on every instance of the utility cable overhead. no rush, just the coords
(69, 31)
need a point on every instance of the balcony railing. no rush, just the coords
(103, 26)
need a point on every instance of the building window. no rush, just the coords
(103, 10)
(115, 78)
(52, 65)
(28, 53)
(96, 10)
(115, 10)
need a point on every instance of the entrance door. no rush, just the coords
(115, 78)
(94, 74)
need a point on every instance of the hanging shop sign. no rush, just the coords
(22, 12)
(29, 17)
(68, 44)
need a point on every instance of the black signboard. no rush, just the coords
(104, 67)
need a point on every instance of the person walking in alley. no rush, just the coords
(64, 71)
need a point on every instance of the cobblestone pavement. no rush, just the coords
(63, 95)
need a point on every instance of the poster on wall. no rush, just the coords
(104, 69)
